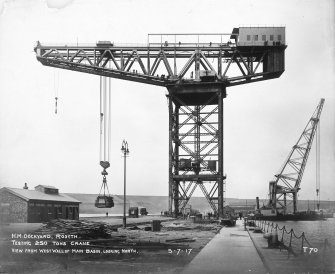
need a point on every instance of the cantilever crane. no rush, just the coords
(287, 182)
(214, 62)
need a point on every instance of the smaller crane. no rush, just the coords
(287, 182)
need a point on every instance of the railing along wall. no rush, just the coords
(287, 237)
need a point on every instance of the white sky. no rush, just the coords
(262, 120)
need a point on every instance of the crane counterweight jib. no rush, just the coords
(169, 63)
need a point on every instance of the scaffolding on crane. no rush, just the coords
(283, 191)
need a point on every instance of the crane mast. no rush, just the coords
(284, 189)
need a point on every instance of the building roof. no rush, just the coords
(27, 194)
(46, 186)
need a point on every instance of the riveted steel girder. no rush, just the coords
(196, 141)
(93, 59)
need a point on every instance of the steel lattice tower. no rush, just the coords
(196, 135)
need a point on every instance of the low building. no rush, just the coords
(244, 209)
(34, 206)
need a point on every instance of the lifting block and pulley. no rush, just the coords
(104, 200)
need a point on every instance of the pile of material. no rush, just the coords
(101, 235)
(179, 226)
(83, 229)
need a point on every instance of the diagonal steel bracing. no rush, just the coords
(156, 61)
(195, 140)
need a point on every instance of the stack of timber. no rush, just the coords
(100, 235)
(179, 226)
(82, 229)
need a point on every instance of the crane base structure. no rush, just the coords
(196, 135)
(196, 69)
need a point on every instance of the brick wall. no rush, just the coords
(18, 208)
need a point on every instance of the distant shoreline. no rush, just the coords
(159, 204)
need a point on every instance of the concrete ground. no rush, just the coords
(235, 250)
(230, 251)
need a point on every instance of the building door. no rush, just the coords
(44, 214)
(33, 214)
(4, 213)
(70, 212)
(50, 213)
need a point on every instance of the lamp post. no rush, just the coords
(125, 151)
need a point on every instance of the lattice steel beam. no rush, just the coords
(93, 59)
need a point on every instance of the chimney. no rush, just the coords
(25, 186)
(257, 203)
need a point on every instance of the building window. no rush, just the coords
(279, 37)
(271, 37)
(263, 37)
(248, 37)
(256, 37)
